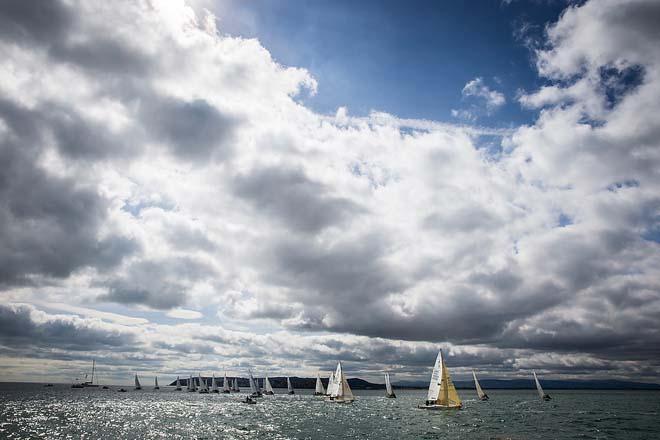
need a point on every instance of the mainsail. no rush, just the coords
(319, 390)
(137, 383)
(442, 391)
(542, 394)
(178, 384)
(480, 392)
(156, 387)
(225, 384)
(235, 388)
(341, 391)
(268, 387)
(289, 387)
(253, 385)
(388, 386)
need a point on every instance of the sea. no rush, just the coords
(35, 411)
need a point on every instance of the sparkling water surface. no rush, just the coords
(34, 411)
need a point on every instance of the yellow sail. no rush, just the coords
(447, 395)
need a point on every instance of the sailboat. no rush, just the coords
(480, 392)
(191, 385)
(253, 386)
(542, 393)
(91, 383)
(178, 384)
(340, 391)
(388, 387)
(268, 388)
(137, 383)
(225, 385)
(235, 388)
(319, 390)
(214, 385)
(442, 392)
(203, 386)
(289, 387)
(331, 381)
(156, 387)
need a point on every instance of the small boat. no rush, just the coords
(442, 392)
(225, 385)
(268, 388)
(156, 387)
(480, 392)
(388, 387)
(542, 394)
(178, 384)
(319, 390)
(77, 385)
(340, 391)
(214, 385)
(203, 386)
(289, 387)
(121, 390)
(234, 387)
(256, 392)
(105, 387)
(249, 400)
(48, 385)
(137, 383)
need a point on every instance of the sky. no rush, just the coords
(219, 185)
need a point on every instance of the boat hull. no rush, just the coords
(391, 396)
(439, 407)
(330, 399)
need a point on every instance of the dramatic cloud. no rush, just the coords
(168, 176)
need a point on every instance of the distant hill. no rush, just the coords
(361, 384)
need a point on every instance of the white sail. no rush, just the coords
(538, 386)
(137, 382)
(331, 383)
(253, 386)
(268, 386)
(480, 392)
(319, 385)
(388, 385)
(214, 384)
(341, 391)
(235, 387)
(225, 384)
(436, 377)
(203, 386)
(178, 383)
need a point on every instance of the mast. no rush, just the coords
(93, 369)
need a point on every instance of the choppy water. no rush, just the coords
(32, 411)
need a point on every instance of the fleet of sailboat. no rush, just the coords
(442, 393)
(480, 392)
(388, 387)
(542, 393)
